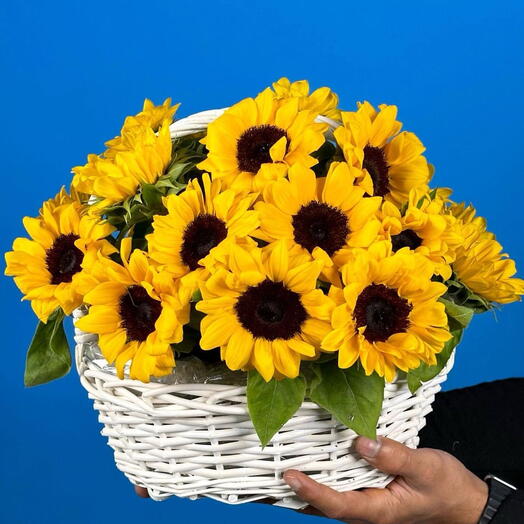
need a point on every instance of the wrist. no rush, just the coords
(474, 502)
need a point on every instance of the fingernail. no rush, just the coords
(293, 482)
(368, 447)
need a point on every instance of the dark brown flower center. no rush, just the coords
(378, 169)
(200, 237)
(254, 144)
(64, 259)
(320, 225)
(138, 312)
(382, 311)
(270, 310)
(406, 238)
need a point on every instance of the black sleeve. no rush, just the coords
(511, 510)
(483, 427)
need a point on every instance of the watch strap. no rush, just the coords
(498, 492)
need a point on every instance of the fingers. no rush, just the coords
(141, 492)
(331, 503)
(325, 499)
(390, 456)
(310, 510)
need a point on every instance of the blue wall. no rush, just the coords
(71, 71)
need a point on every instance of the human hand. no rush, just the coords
(141, 492)
(431, 487)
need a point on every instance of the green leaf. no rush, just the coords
(48, 356)
(176, 170)
(460, 314)
(196, 296)
(461, 295)
(426, 372)
(271, 404)
(431, 196)
(152, 196)
(164, 182)
(351, 396)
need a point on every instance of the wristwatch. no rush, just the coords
(498, 491)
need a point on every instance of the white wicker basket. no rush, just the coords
(197, 440)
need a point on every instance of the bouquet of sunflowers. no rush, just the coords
(299, 243)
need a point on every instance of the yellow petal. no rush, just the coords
(106, 293)
(287, 361)
(278, 261)
(303, 278)
(314, 330)
(216, 330)
(112, 344)
(216, 305)
(305, 182)
(262, 358)
(167, 325)
(301, 346)
(278, 149)
(349, 352)
(333, 340)
(100, 319)
(239, 349)
(338, 185)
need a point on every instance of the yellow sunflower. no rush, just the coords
(151, 116)
(263, 311)
(255, 141)
(50, 268)
(137, 313)
(319, 215)
(199, 219)
(479, 262)
(425, 227)
(322, 101)
(387, 313)
(119, 177)
(393, 161)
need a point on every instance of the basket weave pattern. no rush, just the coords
(193, 440)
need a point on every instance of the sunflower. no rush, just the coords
(393, 161)
(197, 220)
(319, 215)
(137, 313)
(119, 177)
(423, 226)
(322, 101)
(151, 116)
(479, 263)
(387, 313)
(263, 310)
(50, 269)
(255, 141)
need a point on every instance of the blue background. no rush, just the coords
(70, 73)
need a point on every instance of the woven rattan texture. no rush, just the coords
(193, 440)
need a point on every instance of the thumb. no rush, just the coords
(389, 456)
